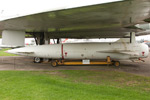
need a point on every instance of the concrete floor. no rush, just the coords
(26, 63)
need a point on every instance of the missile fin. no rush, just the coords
(26, 52)
(128, 52)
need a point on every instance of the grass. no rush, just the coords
(3, 53)
(73, 85)
(110, 78)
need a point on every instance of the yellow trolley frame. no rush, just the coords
(108, 61)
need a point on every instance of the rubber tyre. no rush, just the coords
(54, 63)
(38, 60)
(117, 63)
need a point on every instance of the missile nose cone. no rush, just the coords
(21, 51)
(11, 51)
(6, 51)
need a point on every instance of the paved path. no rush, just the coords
(26, 63)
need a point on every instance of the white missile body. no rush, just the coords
(117, 51)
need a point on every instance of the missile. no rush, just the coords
(117, 51)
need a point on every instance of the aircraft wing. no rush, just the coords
(95, 21)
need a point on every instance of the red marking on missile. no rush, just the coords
(143, 53)
(66, 54)
(62, 51)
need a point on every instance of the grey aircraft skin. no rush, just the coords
(110, 20)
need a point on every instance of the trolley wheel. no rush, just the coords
(54, 63)
(38, 60)
(117, 63)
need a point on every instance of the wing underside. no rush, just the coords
(102, 20)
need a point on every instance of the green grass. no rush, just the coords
(3, 53)
(72, 85)
(110, 78)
